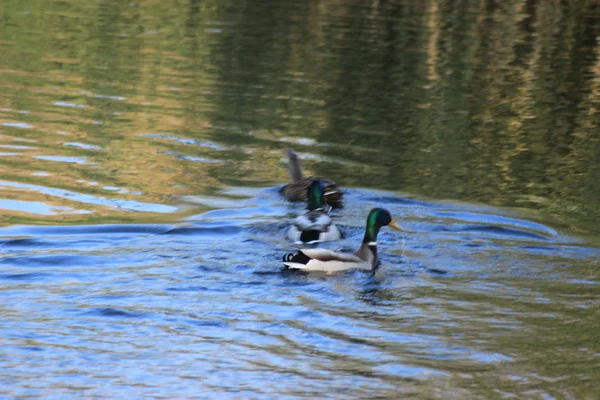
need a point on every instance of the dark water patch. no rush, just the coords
(32, 348)
(279, 271)
(240, 269)
(113, 297)
(112, 312)
(56, 260)
(490, 230)
(425, 246)
(351, 231)
(395, 259)
(216, 224)
(25, 276)
(254, 242)
(206, 323)
(74, 242)
(195, 289)
(502, 231)
(489, 219)
(23, 243)
(437, 271)
(539, 248)
(244, 283)
(204, 231)
(398, 201)
(473, 245)
(83, 230)
(206, 268)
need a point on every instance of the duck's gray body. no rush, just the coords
(365, 258)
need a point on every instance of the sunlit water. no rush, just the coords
(141, 152)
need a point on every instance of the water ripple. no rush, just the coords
(168, 283)
(129, 205)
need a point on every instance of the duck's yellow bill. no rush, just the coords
(395, 226)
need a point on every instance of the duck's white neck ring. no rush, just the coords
(372, 243)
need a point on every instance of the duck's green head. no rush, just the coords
(315, 195)
(378, 217)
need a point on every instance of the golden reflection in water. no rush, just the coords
(476, 100)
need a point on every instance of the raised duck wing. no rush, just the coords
(294, 168)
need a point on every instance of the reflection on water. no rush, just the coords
(468, 100)
(118, 115)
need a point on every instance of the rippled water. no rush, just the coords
(141, 233)
(472, 302)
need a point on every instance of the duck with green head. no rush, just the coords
(316, 225)
(297, 189)
(364, 258)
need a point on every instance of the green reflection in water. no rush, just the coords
(472, 100)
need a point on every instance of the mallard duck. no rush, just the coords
(315, 225)
(364, 258)
(297, 189)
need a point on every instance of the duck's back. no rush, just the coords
(297, 191)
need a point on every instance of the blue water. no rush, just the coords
(142, 146)
(203, 308)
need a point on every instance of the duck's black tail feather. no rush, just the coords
(310, 236)
(299, 257)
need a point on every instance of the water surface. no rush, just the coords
(142, 147)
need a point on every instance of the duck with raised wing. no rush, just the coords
(297, 189)
(365, 258)
(316, 225)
